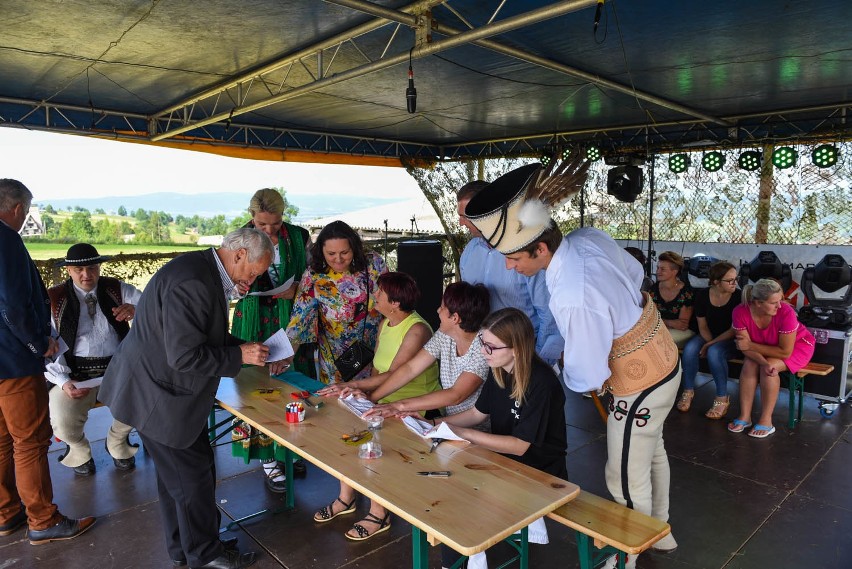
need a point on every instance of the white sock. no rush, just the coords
(272, 467)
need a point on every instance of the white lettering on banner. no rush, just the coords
(797, 257)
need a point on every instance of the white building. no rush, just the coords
(32, 224)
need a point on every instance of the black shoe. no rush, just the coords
(300, 467)
(85, 469)
(17, 521)
(125, 463)
(278, 487)
(231, 560)
(66, 529)
(228, 544)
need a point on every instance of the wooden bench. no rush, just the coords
(605, 528)
(796, 386)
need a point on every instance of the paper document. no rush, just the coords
(427, 431)
(89, 383)
(279, 346)
(357, 406)
(274, 291)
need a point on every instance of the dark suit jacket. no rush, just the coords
(24, 309)
(164, 376)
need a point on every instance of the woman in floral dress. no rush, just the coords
(335, 304)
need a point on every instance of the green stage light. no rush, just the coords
(713, 161)
(566, 153)
(749, 160)
(593, 153)
(678, 163)
(545, 159)
(824, 156)
(784, 157)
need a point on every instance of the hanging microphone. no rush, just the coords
(598, 14)
(411, 93)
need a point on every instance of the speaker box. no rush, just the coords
(423, 260)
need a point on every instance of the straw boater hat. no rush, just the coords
(82, 255)
(514, 210)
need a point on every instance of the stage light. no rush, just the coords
(625, 183)
(750, 160)
(566, 153)
(545, 159)
(784, 157)
(678, 163)
(824, 156)
(593, 153)
(713, 161)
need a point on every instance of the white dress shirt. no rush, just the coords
(595, 298)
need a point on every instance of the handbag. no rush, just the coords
(358, 354)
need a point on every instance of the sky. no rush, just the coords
(57, 166)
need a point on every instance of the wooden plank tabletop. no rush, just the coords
(487, 498)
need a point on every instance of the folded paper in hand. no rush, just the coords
(279, 346)
(274, 291)
(427, 431)
(356, 405)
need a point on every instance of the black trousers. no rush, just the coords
(186, 484)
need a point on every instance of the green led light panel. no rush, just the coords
(593, 153)
(784, 157)
(749, 160)
(678, 163)
(825, 156)
(713, 161)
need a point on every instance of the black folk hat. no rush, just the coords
(82, 255)
(514, 210)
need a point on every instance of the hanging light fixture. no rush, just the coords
(713, 161)
(749, 160)
(784, 157)
(678, 163)
(593, 153)
(566, 153)
(825, 156)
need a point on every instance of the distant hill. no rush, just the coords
(229, 204)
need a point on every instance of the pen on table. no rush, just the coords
(435, 473)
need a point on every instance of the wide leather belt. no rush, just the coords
(642, 357)
(88, 368)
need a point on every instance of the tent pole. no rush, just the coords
(652, 184)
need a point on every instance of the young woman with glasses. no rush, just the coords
(715, 339)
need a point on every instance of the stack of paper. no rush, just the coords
(427, 431)
(357, 406)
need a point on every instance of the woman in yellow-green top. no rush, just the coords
(401, 335)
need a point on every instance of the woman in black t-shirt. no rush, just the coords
(524, 400)
(522, 397)
(715, 339)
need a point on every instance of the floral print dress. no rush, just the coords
(329, 309)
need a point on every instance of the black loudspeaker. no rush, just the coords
(423, 260)
(624, 183)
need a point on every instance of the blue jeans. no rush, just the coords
(717, 359)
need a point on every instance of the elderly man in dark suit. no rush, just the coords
(24, 422)
(163, 378)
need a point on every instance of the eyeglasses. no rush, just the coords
(729, 281)
(489, 349)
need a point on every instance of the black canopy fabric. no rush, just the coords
(326, 81)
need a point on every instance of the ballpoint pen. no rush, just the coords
(435, 473)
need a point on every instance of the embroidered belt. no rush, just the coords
(88, 368)
(642, 357)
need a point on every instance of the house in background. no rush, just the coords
(32, 224)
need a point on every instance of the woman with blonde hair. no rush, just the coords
(673, 297)
(772, 340)
(256, 318)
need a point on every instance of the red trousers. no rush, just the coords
(24, 439)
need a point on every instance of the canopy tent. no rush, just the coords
(306, 80)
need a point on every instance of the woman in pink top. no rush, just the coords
(772, 340)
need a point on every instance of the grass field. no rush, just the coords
(57, 250)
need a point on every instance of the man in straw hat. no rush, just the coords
(613, 336)
(91, 314)
(25, 341)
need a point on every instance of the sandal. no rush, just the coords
(327, 513)
(719, 408)
(738, 426)
(383, 523)
(685, 401)
(761, 431)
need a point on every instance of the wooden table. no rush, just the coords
(488, 497)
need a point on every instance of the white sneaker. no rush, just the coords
(612, 562)
(665, 545)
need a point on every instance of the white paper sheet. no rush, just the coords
(279, 346)
(274, 291)
(89, 383)
(427, 431)
(357, 406)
